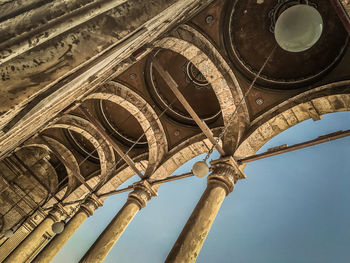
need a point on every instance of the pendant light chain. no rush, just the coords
(238, 106)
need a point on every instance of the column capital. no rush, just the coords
(225, 173)
(56, 213)
(89, 206)
(143, 191)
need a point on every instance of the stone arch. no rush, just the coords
(203, 54)
(86, 129)
(66, 155)
(78, 193)
(144, 114)
(329, 98)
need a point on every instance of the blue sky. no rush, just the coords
(292, 208)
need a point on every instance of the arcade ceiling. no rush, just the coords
(213, 50)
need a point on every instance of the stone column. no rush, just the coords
(25, 249)
(219, 184)
(137, 200)
(50, 250)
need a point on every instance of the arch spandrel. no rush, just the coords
(143, 113)
(330, 98)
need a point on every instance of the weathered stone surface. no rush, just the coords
(104, 243)
(64, 92)
(189, 243)
(73, 53)
(145, 115)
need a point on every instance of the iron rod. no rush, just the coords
(321, 139)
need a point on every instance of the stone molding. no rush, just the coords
(142, 193)
(224, 174)
(89, 206)
(56, 214)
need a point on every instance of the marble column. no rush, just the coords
(25, 249)
(219, 184)
(104, 243)
(50, 250)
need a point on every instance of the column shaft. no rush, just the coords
(193, 235)
(51, 249)
(104, 243)
(28, 245)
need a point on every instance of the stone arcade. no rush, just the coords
(96, 91)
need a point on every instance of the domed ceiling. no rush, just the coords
(120, 123)
(249, 38)
(82, 145)
(191, 83)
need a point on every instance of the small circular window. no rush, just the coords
(195, 75)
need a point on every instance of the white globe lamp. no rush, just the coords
(298, 28)
(200, 169)
(57, 227)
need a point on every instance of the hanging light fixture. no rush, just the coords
(298, 28)
(200, 169)
(57, 227)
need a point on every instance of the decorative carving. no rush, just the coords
(56, 213)
(89, 206)
(225, 173)
(143, 191)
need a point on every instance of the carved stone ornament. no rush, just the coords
(225, 173)
(143, 191)
(89, 206)
(56, 213)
